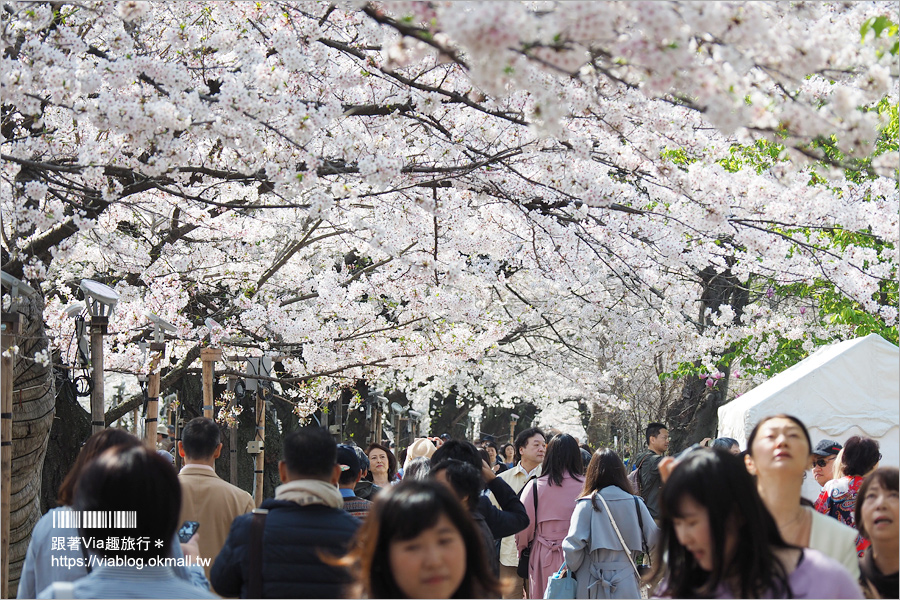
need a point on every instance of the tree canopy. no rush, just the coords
(523, 200)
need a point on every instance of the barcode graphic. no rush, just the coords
(96, 519)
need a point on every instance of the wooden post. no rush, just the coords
(178, 428)
(233, 436)
(135, 416)
(208, 358)
(512, 431)
(378, 425)
(12, 325)
(98, 330)
(150, 423)
(261, 438)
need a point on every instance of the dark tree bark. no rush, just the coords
(694, 415)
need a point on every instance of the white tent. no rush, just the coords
(844, 389)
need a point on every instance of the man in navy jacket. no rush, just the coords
(305, 520)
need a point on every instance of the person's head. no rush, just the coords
(563, 457)
(201, 440)
(382, 461)
(491, 447)
(132, 479)
(458, 450)
(417, 468)
(657, 435)
(459, 477)
(713, 532)
(530, 446)
(825, 452)
(93, 447)
(878, 507)
(859, 456)
(605, 469)
(585, 458)
(727, 443)
(363, 460)
(508, 452)
(418, 541)
(779, 446)
(483, 453)
(421, 447)
(309, 453)
(349, 464)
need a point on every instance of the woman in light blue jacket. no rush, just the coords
(594, 552)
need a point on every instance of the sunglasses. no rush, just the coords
(822, 462)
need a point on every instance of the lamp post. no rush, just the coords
(12, 325)
(158, 347)
(513, 417)
(101, 300)
(259, 366)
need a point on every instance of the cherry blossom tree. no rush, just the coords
(516, 201)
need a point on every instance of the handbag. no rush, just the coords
(525, 556)
(561, 585)
(625, 547)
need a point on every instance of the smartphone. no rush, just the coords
(187, 531)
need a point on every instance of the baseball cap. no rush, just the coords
(827, 448)
(346, 457)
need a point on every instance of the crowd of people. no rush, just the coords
(453, 518)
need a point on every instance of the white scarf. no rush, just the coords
(310, 491)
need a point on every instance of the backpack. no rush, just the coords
(634, 478)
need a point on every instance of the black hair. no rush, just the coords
(200, 437)
(732, 501)
(401, 513)
(462, 477)
(563, 456)
(502, 453)
(860, 455)
(392, 460)
(310, 452)
(131, 479)
(755, 430)
(887, 477)
(483, 453)
(605, 469)
(653, 430)
(523, 437)
(459, 450)
(491, 444)
(93, 447)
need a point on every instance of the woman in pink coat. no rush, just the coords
(557, 489)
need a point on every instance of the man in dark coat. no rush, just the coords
(304, 521)
(647, 464)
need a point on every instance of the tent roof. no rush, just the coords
(856, 382)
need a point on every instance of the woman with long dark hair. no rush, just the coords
(419, 542)
(859, 457)
(779, 452)
(556, 489)
(602, 566)
(720, 541)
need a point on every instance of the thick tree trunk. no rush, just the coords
(34, 393)
(694, 415)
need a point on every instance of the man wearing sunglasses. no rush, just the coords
(823, 460)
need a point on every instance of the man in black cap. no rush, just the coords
(823, 464)
(350, 475)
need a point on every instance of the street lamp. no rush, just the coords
(513, 417)
(12, 326)
(158, 347)
(101, 301)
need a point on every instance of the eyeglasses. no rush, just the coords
(822, 462)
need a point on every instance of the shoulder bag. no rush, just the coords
(643, 569)
(525, 556)
(625, 547)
